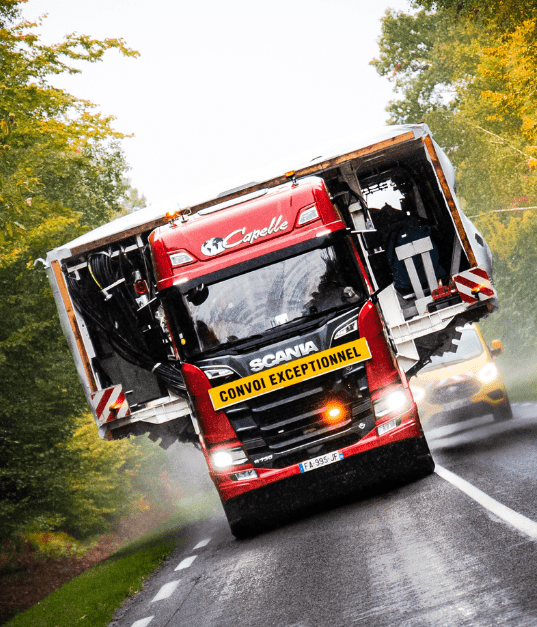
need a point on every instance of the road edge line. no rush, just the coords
(516, 520)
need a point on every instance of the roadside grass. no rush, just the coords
(520, 377)
(525, 390)
(92, 598)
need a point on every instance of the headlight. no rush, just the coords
(395, 402)
(488, 373)
(215, 373)
(349, 328)
(228, 457)
(418, 393)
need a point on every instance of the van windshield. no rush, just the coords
(268, 298)
(468, 346)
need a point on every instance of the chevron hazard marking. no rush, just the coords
(473, 279)
(110, 404)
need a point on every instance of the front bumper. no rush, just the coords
(480, 404)
(409, 428)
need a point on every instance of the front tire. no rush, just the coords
(242, 522)
(503, 411)
(423, 462)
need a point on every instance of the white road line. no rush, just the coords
(166, 591)
(518, 521)
(202, 543)
(186, 562)
(143, 622)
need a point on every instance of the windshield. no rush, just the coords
(298, 288)
(468, 346)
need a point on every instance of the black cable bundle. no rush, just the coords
(106, 297)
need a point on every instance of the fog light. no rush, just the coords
(334, 413)
(242, 476)
(388, 426)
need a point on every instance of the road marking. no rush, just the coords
(186, 562)
(166, 591)
(518, 521)
(202, 543)
(143, 622)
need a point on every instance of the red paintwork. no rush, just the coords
(382, 371)
(410, 427)
(382, 368)
(252, 216)
(286, 201)
(214, 425)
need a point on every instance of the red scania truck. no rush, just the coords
(276, 324)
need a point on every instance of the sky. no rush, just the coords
(225, 92)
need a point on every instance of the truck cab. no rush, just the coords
(284, 355)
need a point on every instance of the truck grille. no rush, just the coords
(287, 426)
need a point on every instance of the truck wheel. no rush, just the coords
(242, 528)
(241, 523)
(503, 411)
(423, 464)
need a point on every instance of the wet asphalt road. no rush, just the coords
(424, 554)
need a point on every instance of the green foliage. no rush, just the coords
(94, 596)
(62, 172)
(101, 481)
(53, 544)
(133, 201)
(500, 15)
(468, 69)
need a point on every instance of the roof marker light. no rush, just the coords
(307, 215)
(179, 259)
(172, 215)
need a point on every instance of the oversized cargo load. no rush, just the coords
(242, 321)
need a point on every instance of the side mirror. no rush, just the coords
(496, 348)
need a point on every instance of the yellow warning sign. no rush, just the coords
(288, 374)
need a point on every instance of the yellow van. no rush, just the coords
(463, 384)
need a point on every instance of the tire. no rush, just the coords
(423, 463)
(242, 528)
(241, 522)
(503, 412)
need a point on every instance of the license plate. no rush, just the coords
(322, 460)
(454, 405)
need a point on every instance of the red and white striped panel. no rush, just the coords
(110, 404)
(473, 279)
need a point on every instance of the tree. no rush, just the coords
(467, 68)
(62, 172)
(133, 201)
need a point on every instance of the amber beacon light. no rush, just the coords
(334, 413)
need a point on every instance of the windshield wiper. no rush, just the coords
(309, 321)
(234, 343)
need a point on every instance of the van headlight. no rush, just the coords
(488, 373)
(417, 392)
